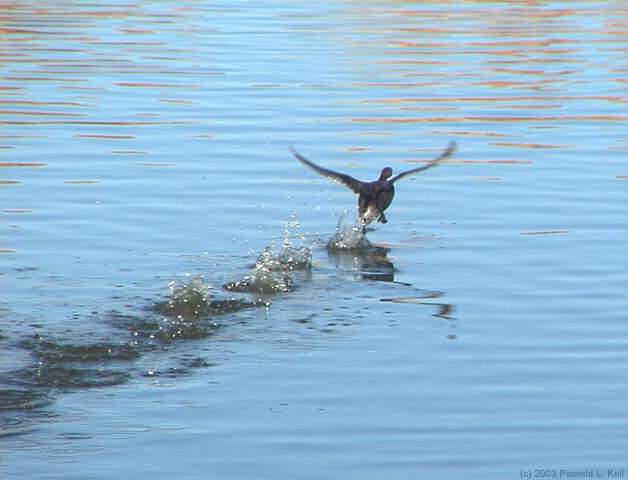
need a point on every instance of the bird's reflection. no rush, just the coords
(367, 263)
(372, 263)
(444, 310)
(376, 266)
(350, 251)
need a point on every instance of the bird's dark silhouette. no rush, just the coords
(376, 196)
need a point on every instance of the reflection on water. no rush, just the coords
(377, 267)
(351, 251)
(429, 298)
(367, 263)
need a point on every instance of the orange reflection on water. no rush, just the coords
(21, 164)
(109, 137)
(546, 232)
(80, 182)
(150, 164)
(529, 145)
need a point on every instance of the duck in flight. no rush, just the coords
(374, 197)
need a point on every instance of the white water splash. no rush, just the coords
(349, 237)
(191, 298)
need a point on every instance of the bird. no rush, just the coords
(376, 196)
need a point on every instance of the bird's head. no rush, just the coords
(386, 173)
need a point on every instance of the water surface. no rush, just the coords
(144, 154)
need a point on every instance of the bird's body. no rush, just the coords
(374, 197)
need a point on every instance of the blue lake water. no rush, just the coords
(145, 164)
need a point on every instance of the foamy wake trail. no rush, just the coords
(270, 273)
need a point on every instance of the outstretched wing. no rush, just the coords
(352, 183)
(446, 154)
